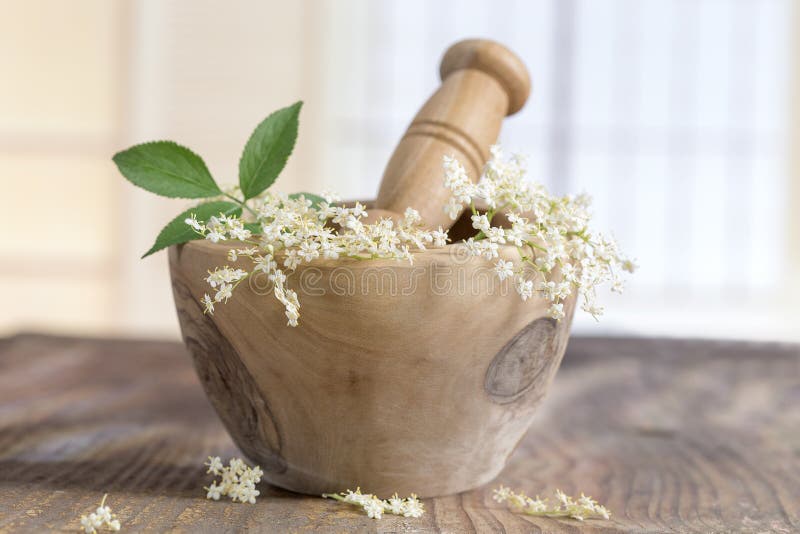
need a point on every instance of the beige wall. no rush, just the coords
(85, 79)
(59, 119)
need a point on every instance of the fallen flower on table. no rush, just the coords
(565, 506)
(102, 517)
(375, 507)
(237, 480)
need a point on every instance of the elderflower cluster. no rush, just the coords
(375, 507)
(237, 480)
(558, 253)
(565, 506)
(292, 231)
(102, 517)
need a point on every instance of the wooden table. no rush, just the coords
(673, 436)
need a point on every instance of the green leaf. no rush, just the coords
(267, 150)
(167, 169)
(315, 199)
(177, 231)
(255, 228)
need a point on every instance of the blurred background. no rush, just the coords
(678, 116)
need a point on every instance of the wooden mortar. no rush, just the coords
(400, 378)
(422, 391)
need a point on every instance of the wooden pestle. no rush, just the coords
(482, 82)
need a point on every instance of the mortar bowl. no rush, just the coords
(409, 378)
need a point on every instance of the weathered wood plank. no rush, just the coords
(672, 435)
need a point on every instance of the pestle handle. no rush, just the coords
(482, 82)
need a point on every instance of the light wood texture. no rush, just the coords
(379, 386)
(482, 82)
(674, 436)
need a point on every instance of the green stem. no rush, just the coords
(534, 245)
(243, 204)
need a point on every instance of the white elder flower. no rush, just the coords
(565, 506)
(278, 277)
(356, 497)
(264, 264)
(488, 249)
(237, 465)
(411, 216)
(617, 286)
(551, 233)
(534, 506)
(569, 273)
(340, 215)
(214, 464)
(291, 298)
(586, 502)
(214, 491)
(229, 478)
(545, 262)
(252, 476)
(374, 508)
(396, 505)
(496, 235)
(225, 292)
(292, 314)
(292, 260)
(628, 265)
(194, 223)
(413, 507)
(563, 290)
(248, 495)
(302, 233)
(501, 494)
(101, 517)
(548, 289)
(309, 250)
(524, 287)
(103, 514)
(481, 222)
(330, 251)
(215, 236)
(235, 492)
(237, 480)
(592, 309)
(556, 311)
(90, 523)
(517, 501)
(215, 222)
(358, 211)
(325, 211)
(453, 209)
(488, 190)
(504, 269)
(439, 237)
(240, 233)
(516, 237)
